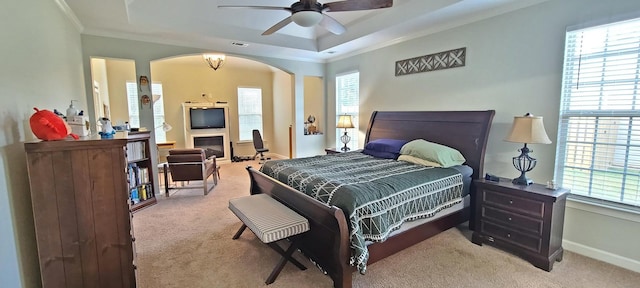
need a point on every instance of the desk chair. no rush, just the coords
(259, 146)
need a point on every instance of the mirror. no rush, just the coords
(113, 81)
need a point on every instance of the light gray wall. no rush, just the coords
(41, 66)
(513, 65)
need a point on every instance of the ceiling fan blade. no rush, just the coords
(352, 5)
(332, 25)
(256, 7)
(278, 26)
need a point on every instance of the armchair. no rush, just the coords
(191, 165)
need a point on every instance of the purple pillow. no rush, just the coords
(381, 154)
(384, 148)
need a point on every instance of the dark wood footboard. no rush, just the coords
(327, 241)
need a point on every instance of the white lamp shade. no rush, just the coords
(528, 129)
(344, 121)
(306, 18)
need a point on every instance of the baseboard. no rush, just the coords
(277, 156)
(601, 255)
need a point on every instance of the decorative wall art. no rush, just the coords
(144, 83)
(145, 100)
(437, 61)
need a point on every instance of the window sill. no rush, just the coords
(615, 211)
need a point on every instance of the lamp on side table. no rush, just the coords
(344, 121)
(526, 129)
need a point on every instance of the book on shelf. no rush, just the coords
(135, 151)
(137, 175)
(141, 193)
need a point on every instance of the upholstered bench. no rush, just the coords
(270, 221)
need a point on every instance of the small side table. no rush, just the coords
(526, 220)
(333, 151)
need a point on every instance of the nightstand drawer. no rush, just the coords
(531, 207)
(512, 237)
(513, 220)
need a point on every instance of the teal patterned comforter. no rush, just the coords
(378, 195)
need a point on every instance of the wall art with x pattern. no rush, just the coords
(436, 61)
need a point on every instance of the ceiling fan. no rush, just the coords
(308, 13)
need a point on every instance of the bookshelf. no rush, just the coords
(139, 169)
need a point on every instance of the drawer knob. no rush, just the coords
(510, 201)
(509, 218)
(508, 235)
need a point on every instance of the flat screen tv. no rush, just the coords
(209, 118)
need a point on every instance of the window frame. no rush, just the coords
(158, 131)
(261, 128)
(355, 114)
(567, 114)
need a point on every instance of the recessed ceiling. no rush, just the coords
(201, 24)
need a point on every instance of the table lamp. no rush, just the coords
(526, 129)
(344, 121)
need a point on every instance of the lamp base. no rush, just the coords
(345, 139)
(523, 163)
(522, 180)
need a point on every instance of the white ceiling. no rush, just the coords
(200, 24)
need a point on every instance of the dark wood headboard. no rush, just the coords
(466, 131)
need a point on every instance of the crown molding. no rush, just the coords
(70, 15)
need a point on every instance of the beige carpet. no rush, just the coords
(185, 241)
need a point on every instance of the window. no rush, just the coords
(347, 102)
(158, 109)
(599, 130)
(249, 112)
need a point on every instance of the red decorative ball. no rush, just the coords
(48, 126)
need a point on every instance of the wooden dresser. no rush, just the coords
(81, 212)
(526, 220)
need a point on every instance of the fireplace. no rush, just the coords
(213, 144)
(215, 139)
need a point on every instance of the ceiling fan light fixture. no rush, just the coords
(306, 18)
(214, 61)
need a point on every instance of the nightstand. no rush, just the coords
(525, 220)
(333, 151)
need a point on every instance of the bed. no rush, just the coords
(328, 242)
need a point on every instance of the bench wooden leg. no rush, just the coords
(283, 253)
(239, 232)
(285, 257)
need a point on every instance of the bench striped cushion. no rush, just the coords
(269, 219)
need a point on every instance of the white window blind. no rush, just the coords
(158, 112)
(348, 102)
(599, 130)
(249, 112)
(158, 109)
(133, 104)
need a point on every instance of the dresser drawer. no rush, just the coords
(531, 207)
(513, 237)
(513, 220)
